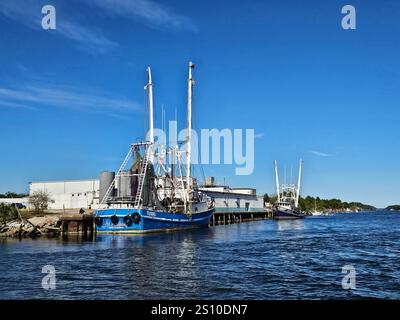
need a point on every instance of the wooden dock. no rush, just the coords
(76, 223)
(221, 218)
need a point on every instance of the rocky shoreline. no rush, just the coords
(49, 225)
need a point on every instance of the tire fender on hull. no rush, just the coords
(136, 218)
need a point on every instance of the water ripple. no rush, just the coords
(259, 260)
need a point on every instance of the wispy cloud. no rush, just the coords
(91, 38)
(320, 154)
(29, 14)
(38, 96)
(153, 14)
(259, 135)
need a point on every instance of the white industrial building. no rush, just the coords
(69, 194)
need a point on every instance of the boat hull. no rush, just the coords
(145, 220)
(287, 214)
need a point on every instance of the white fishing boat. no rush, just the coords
(287, 205)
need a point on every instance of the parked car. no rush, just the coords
(19, 205)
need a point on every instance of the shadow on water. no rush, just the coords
(78, 238)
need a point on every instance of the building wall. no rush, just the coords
(70, 194)
(75, 194)
(230, 200)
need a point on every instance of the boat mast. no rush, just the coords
(189, 128)
(298, 184)
(151, 121)
(277, 181)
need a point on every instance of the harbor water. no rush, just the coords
(298, 259)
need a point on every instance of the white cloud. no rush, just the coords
(259, 135)
(29, 14)
(38, 96)
(91, 40)
(151, 13)
(320, 154)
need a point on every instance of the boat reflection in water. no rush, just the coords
(289, 225)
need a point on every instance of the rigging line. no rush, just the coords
(195, 127)
(165, 125)
(284, 175)
(202, 173)
(291, 174)
(162, 117)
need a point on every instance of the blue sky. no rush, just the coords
(71, 99)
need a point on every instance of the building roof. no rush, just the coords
(59, 181)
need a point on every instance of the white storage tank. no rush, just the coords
(106, 179)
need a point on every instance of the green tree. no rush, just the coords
(273, 198)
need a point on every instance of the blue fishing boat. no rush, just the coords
(140, 200)
(144, 220)
(287, 205)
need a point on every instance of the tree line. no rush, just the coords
(393, 207)
(308, 204)
(10, 194)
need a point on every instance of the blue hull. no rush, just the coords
(125, 220)
(287, 214)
